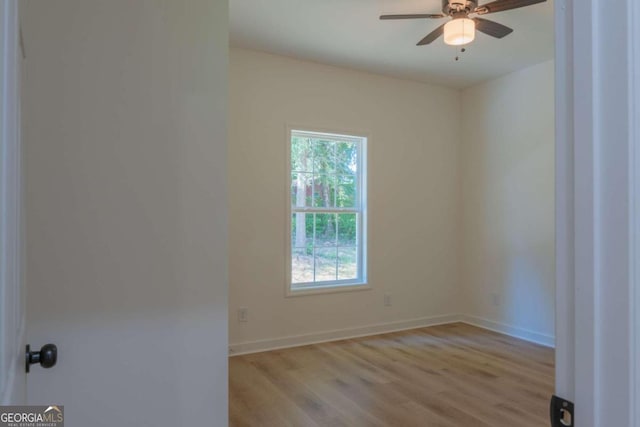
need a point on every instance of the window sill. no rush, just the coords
(327, 289)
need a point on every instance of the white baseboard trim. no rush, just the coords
(248, 347)
(524, 334)
(339, 334)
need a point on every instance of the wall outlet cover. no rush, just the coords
(243, 314)
(387, 300)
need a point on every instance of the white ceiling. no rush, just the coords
(348, 33)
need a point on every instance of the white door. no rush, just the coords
(124, 132)
(12, 313)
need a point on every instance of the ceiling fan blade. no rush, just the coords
(432, 36)
(492, 28)
(500, 5)
(413, 16)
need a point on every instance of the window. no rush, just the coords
(327, 212)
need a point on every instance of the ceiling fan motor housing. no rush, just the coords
(456, 7)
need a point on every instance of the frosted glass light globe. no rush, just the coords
(458, 32)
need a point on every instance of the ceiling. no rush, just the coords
(348, 33)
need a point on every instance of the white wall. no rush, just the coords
(413, 182)
(507, 164)
(125, 108)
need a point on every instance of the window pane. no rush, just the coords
(324, 191)
(325, 230)
(346, 191)
(346, 158)
(325, 175)
(301, 189)
(324, 156)
(347, 229)
(302, 237)
(325, 264)
(301, 265)
(347, 263)
(301, 154)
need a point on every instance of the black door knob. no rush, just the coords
(46, 357)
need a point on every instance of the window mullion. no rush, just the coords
(337, 231)
(335, 177)
(313, 247)
(313, 178)
(303, 209)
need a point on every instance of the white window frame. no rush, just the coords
(361, 282)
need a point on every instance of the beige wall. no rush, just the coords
(507, 164)
(460, 200)
(413, 194)
(125, 118)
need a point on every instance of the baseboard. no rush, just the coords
(524, 334)
(339, 334)
(248, 347)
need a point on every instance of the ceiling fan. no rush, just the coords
(461, 29)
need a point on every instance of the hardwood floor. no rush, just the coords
(449, 375)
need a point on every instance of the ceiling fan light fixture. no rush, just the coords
(459, 31)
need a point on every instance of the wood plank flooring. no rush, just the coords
(452, 375)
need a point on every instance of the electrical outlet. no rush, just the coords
(243, 314)
(495, 299)
(387, 300)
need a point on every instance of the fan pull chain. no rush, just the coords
(463, 50)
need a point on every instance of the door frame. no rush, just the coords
(634, 112)
(597, 179)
